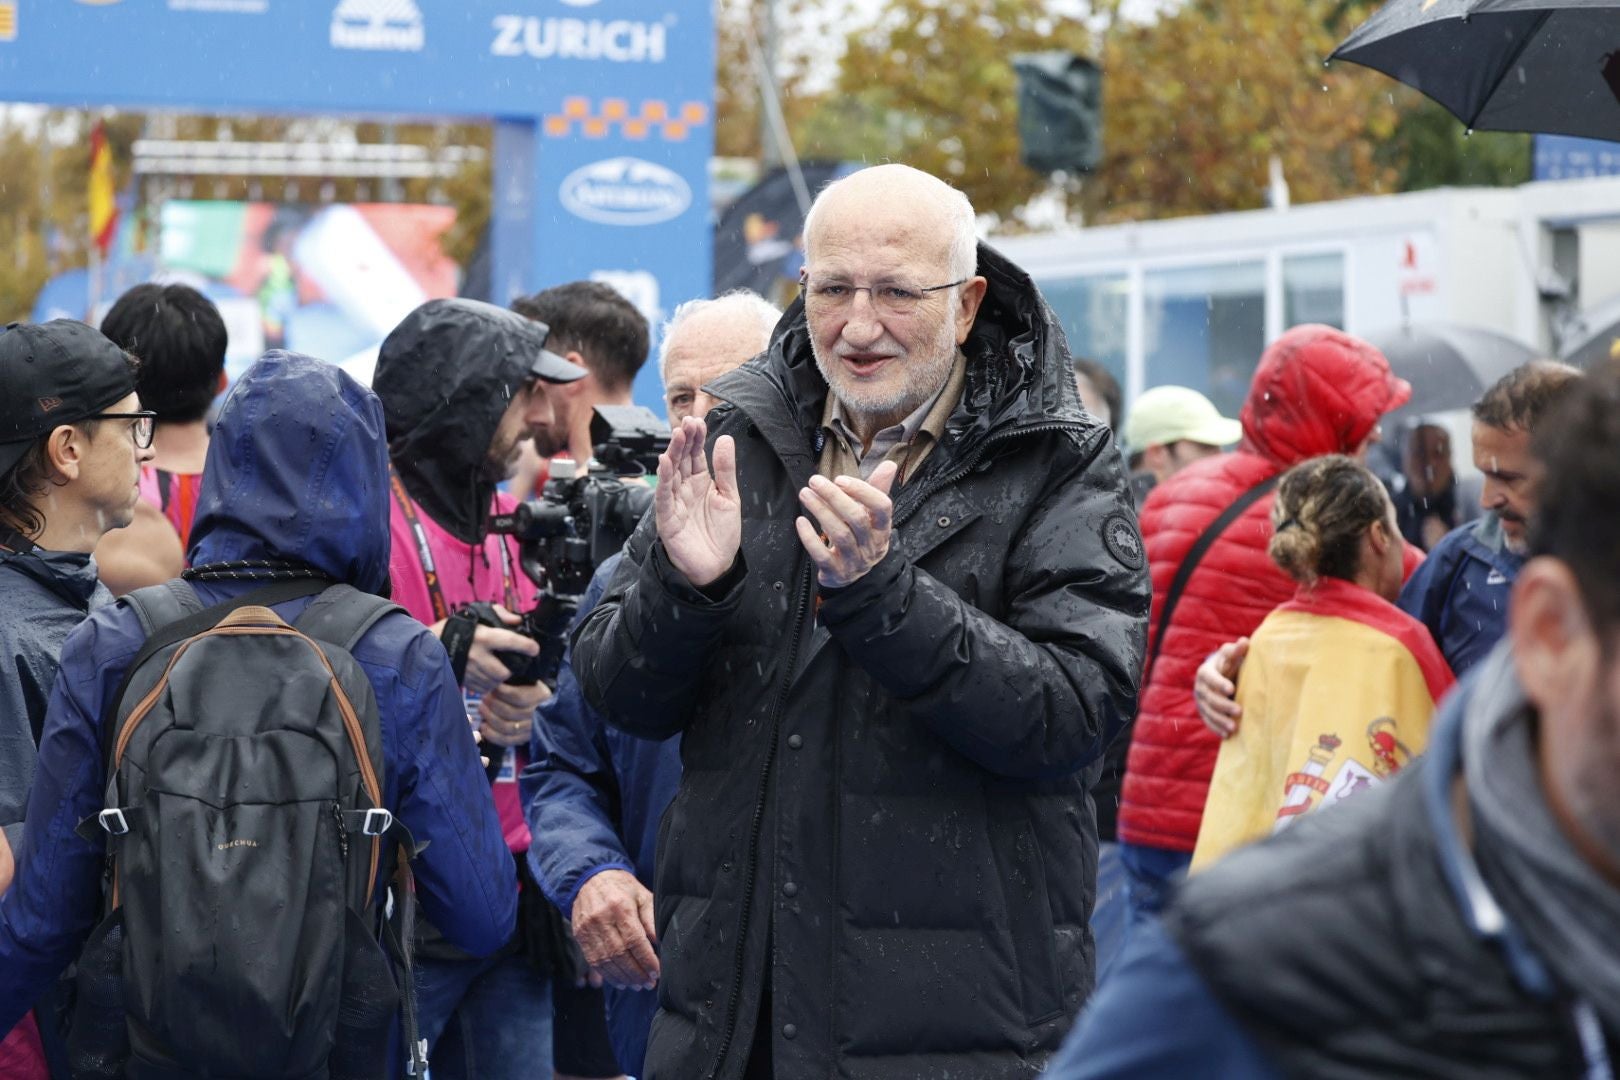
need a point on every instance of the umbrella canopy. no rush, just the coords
(1503, 65)
(1596, 338)
(1449, 366)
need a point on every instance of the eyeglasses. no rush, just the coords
(891, 297)
(145, 424)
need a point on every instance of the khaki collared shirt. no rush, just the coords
(906, 443)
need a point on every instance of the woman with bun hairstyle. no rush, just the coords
(1339, 684)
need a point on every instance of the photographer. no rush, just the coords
(594, 795)
(463, 386)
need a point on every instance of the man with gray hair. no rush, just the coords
(895, 627)
(593, 795)
(703, 340)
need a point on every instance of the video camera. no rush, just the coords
(579, 520)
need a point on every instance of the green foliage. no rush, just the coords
(1431, 149)
(1197, 103)
(933, 86)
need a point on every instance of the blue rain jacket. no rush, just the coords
(593, 797)
(298, 469)
(1460, 592)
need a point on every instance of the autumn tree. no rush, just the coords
(803, 29)
(1198, 102)
(931, 84)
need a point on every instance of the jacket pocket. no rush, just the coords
(1022, 869)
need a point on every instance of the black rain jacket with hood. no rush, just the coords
(883, 809)
(445, 376)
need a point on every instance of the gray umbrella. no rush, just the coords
(1595, 339)
(1503, 65)
(1449, 366)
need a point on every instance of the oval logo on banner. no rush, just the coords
(625, 191)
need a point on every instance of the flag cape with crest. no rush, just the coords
(1337, 693)
(103, 194)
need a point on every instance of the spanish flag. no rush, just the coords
(103, 200)
(1337, 693)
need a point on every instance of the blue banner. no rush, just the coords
(1564, 157)
(603, 108)
(428, 57)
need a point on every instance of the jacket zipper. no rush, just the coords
(756, 826)
(972, 461)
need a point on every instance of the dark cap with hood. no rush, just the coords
(446, 375)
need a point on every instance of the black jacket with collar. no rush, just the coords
(884, 801)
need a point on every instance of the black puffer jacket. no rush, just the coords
(884, 800)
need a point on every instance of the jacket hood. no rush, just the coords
(71, 575)
(297, 469)
(1317, 391)
(445, 376)
(1019, 371)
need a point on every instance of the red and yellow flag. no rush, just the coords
(1337, 692)
(103, 197)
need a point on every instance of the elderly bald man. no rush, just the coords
(893, 598)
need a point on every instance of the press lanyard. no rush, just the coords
(424, 554)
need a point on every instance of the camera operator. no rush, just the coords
(463, 385)
(594, 795)
(593, 326)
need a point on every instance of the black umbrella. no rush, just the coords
(1503, 65)
(1449, 366)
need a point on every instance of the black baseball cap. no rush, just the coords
(462, 324)
(52, 374)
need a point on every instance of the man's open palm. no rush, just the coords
(699, 516)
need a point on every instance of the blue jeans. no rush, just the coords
(1151, 876)
(484, 1019)
(1108, 914)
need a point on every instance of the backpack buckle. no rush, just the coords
(378, 821)
(113, 821)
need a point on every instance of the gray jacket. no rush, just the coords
(43, 596)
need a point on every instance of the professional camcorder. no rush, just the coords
(580, 519)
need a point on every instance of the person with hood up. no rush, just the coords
(72, 443)
(296, 484)
(463, 386)
(895, 631)
(1458, 921)
(1316, 391)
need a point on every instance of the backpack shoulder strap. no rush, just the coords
(1195, 555)
(159, 605)
(342, 614)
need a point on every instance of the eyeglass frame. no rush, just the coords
(923, 291)
(134, 429)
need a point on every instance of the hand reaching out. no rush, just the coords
(699, 516)
(1215, 688)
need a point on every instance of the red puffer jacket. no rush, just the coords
(1316, 391)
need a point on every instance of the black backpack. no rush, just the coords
(245, 829)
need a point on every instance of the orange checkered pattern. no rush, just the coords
(650, 119)
(8, 22)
